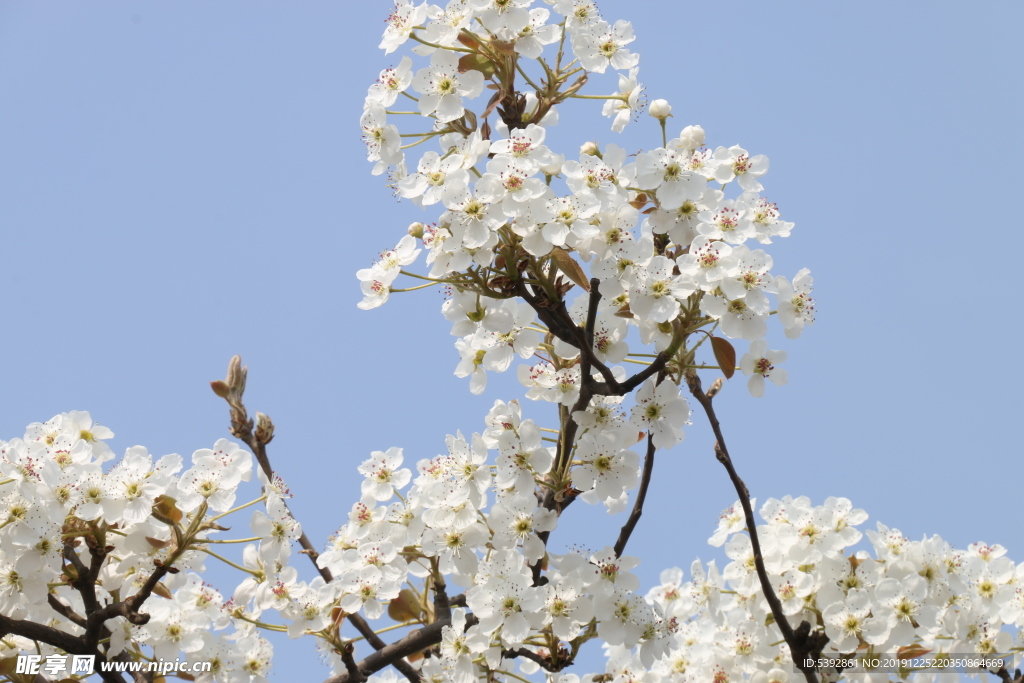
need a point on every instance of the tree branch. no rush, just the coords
(81, 583)
(414, 641)
(55, 637)
(641, 496)
(800, 645)
(1005, 676)
(442, 606)
(126, 609)
(354, 674)
(544, 662)
(65, 610)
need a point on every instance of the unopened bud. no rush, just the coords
(660, 109)
(692, 137)
(590, 148)
(236, 376)
(416, 230)
(715, 387)
(553, 167)
(264, 429)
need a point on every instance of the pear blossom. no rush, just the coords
(759, 364)
(442, 86)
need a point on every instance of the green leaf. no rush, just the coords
(476, 62)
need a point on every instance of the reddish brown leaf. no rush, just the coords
(725, 354)
(911, 651)
(405, 607)
(567, 264)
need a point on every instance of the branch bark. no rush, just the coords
(800, 645)
(417, 640)
(57, 638)
(638, 504)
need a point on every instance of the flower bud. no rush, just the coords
(553, 167)
(416, 230)
(236, 376)
(692, 137)
(264, 429)
(660, 109)
(590, 148)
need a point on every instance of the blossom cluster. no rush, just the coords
(674, 235)
(902, 596)
(476, 525)
(472, 518)
(665, 250)
(68, 521)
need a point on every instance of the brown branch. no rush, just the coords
(560, 323)
(414, 641)
(641, 496)
(44, 634)
(442, 606)
(126, 609)
(800, 645)
(82, 583)
(354, 674)
(55, 637)
(544, 662)
(1005, 676)
(586, 338)
(65, 610)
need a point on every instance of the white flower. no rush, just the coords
(383, 475)
(631, 102)
(443, 87)
(662, 412)
(601, 45)
(214, 476)
(382, 139)
(759, 364)
(734, 163)
(536, 34)
(504, 18)
(665, 171)
(391, 83)
(435, 175)
(796, 307)
(401, 22)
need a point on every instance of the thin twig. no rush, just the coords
(641, 496)
(798, 647)
(65, 610)
(242, 427)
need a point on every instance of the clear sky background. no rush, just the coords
(180, 182)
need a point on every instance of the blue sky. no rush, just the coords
(183, 182)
